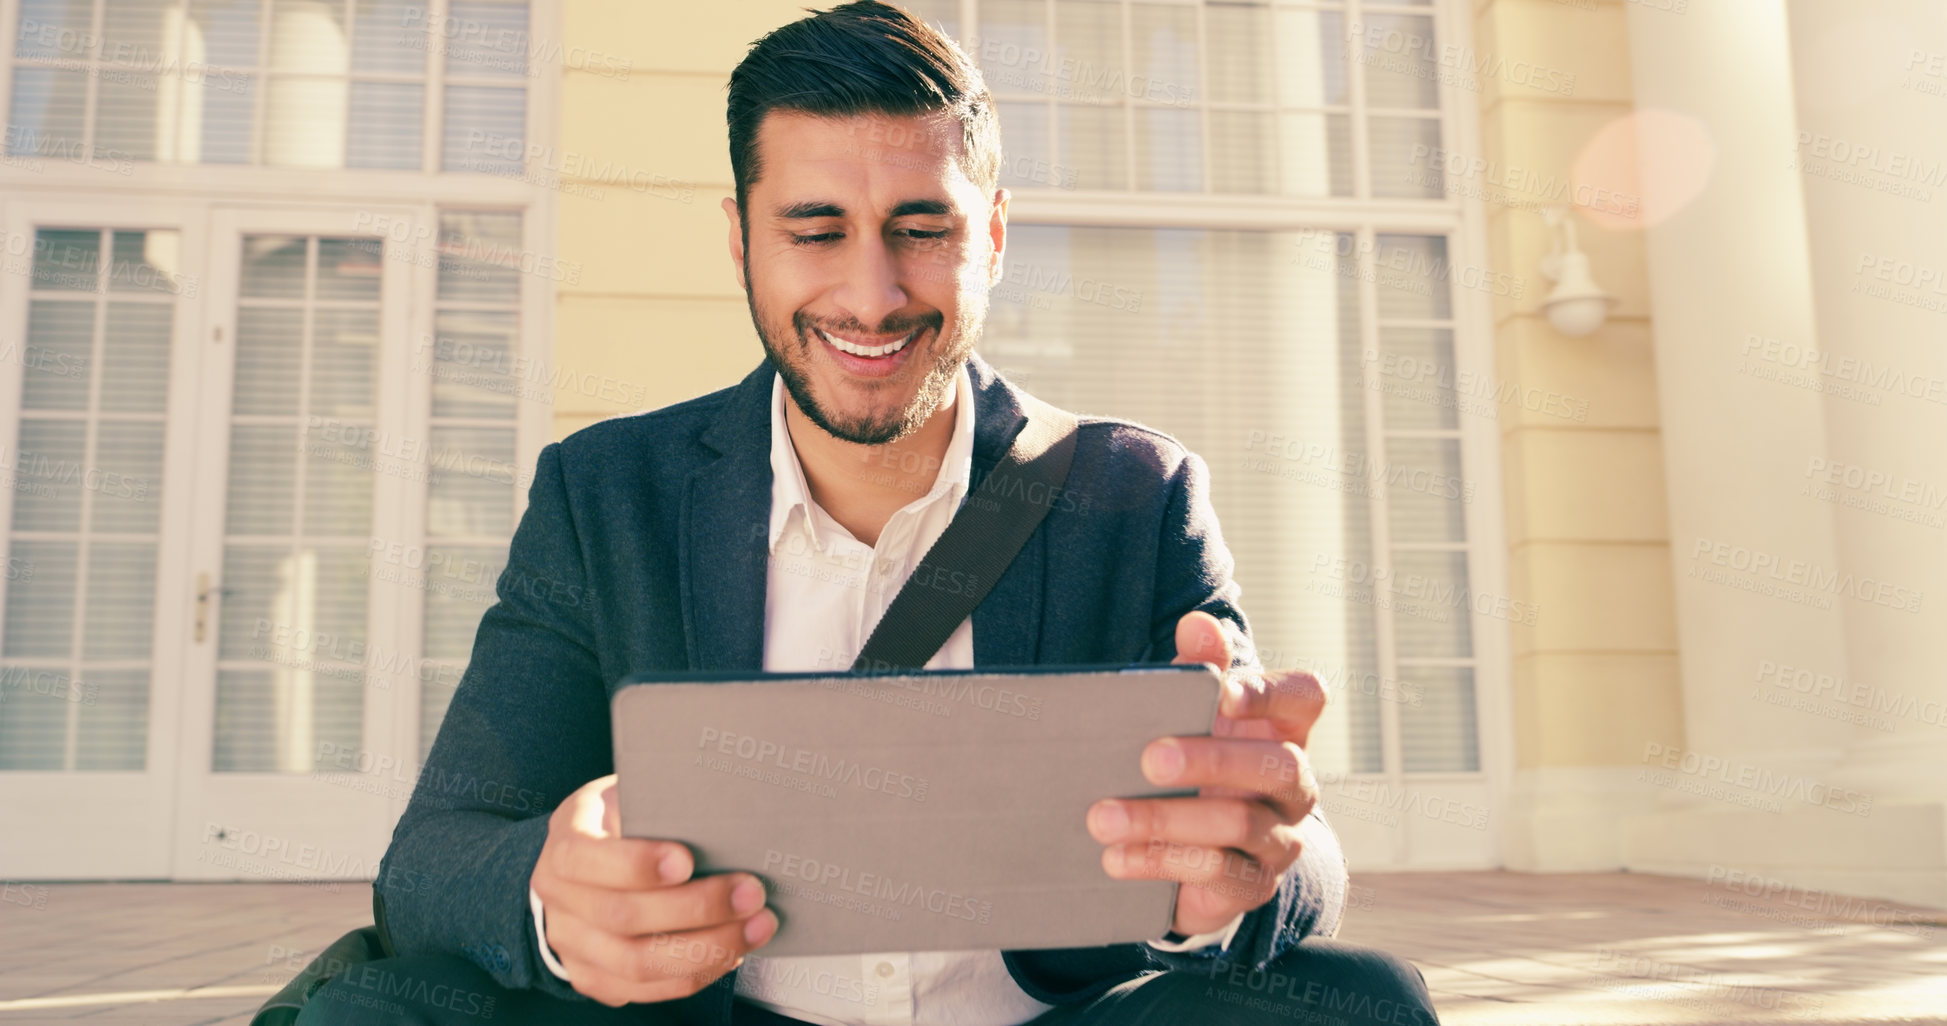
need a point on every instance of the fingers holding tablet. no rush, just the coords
(624, 916)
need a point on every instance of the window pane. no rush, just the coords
(1412, 277)
(1395, 144)
(113, 714)
(1091, 140)
(472, 488)
(53, 465)
(390, 35)
(1426, 492)
(54, 28)
(126, 116)
(1026, 160)
(309, 36)
(1163, 43)
(67, 260)
(116, 621)
(387, 121)
(1416, 374)
(1243, 152)
(1432, 608)
(304, 122)
(44, 118)
(133, 32)
(471, 358)
(135, 358)
(479, 256)
(60, 348)
(1316, 154)
(1010, 30)
(273, 267)
(1238, 53)
(1439, 735)
(1169, 149)
(127, 477)
(494, 115)
(270, 343)
(40, 606)
(1311, 58)
(228, 29)
(224, 102)
(1398, 53)
(144, 262)
(493, 41)
(348, 269)
(1088, 62)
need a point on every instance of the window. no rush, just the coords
(1304, 346)
(282, 83)
(86, 474)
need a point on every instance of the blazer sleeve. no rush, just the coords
(527, 725)
(1193, 571)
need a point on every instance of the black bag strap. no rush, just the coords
(983, 537)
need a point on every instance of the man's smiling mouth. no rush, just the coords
(867, 351)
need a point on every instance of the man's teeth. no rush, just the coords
(867, 351)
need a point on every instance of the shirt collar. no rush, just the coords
(790, 492)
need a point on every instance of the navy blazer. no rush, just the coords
(643, 549)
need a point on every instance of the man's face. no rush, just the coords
(869, 259)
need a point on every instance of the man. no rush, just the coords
(766, 527)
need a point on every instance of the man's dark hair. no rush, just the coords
(861, 58)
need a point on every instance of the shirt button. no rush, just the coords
(884, 969)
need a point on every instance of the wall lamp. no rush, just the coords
(1576, 305)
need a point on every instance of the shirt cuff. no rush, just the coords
(1221, 937)
(547, 953)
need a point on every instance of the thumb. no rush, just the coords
(1200, 638)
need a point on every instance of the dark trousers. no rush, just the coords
(1318, 983)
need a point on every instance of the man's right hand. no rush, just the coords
(624, 917)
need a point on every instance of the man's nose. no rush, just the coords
(871, 289)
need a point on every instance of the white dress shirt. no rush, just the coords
(824, 592)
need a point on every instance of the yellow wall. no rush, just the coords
(1588, 540)
(646, 162)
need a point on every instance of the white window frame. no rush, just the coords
(190, 192)
(1462, 220)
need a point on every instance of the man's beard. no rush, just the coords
(867, 429)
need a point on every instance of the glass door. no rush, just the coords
(297, 755)
(99, 378)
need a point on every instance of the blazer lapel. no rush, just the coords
(726, 519)
(1007, 623)
(725, 523)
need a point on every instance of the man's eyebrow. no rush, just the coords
(811, 208)
(807, 209)
(923, 206)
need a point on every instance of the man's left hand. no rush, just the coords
(1230, 845)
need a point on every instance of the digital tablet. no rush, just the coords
(930, 811)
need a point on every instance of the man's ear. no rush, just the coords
(997, 234)
(736, 239)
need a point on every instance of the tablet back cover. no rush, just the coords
(938, 811)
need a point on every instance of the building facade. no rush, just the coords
(295, 291)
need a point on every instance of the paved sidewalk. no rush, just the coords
(1504, 949)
